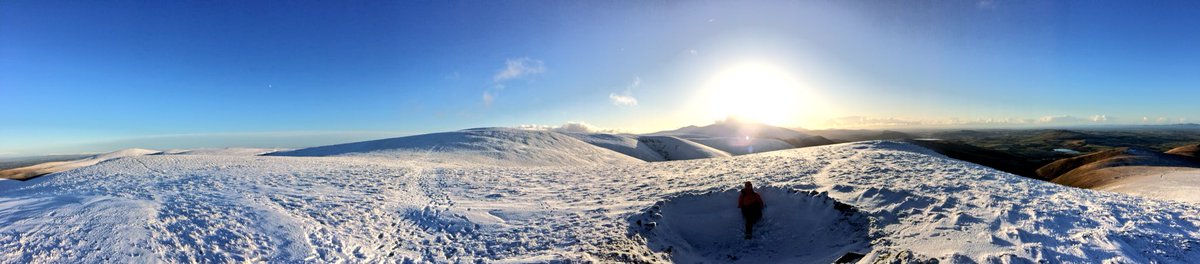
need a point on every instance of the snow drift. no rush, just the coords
(797, 227)
(491, 146)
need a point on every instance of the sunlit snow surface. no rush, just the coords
(185, 208)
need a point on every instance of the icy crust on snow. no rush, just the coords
(198, 208)
(488, 146)
(797, 227)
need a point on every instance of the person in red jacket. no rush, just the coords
(751, 205)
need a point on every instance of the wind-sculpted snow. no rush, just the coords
(199, 208)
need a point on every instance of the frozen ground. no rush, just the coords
(369, 208)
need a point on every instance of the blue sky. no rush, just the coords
(80, 76)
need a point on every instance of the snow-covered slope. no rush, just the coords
(623, 144)
(744, 145)
(57, 166)
(917, 205)
(673, 148)
(223, 151)
(487, 146)
(1167, 183)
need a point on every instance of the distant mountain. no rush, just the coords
(491, 146)
(738, 137)
(850, 135)
(1059, 134)
(811, 141)
(888, 134)
(734, 128)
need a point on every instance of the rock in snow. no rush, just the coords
(905, 202)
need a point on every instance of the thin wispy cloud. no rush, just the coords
(626, 98)
(488, 98)
(519, 67)
(571, 127)
(513, 69)
(1058, 119)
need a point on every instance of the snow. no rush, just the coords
(1167, 183)
(738, 137)
(624, 144)
(488, 146)
(674, 148)
(223, 151)
(57, 166)
(918, 205)
(797, 227)
(744, 145)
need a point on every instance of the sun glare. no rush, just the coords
(756, 91)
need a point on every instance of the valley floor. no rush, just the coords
(917, 204)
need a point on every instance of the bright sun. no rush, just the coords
(756, 91)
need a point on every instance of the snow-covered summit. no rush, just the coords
(913, 205)
(493, 146)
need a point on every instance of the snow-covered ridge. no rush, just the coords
(624, 144)
(57, 166)
(490, 146)
(201, 208)
(674, 148)
(223, 151)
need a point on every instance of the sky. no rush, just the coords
(87, 76)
